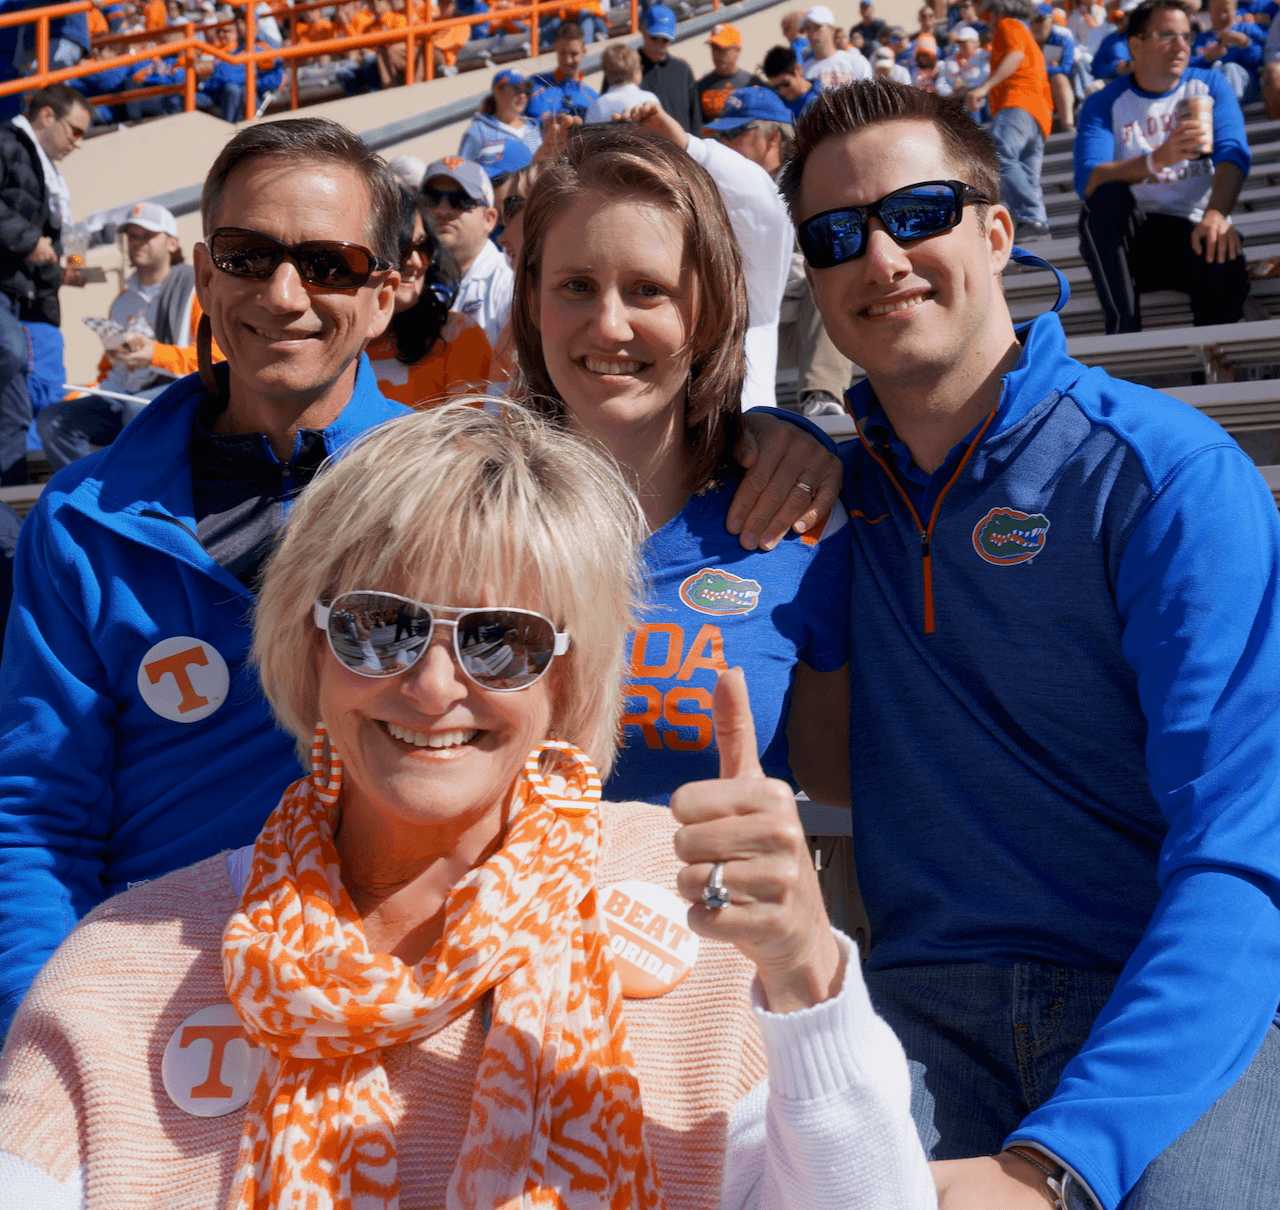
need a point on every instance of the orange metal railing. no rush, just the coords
(415, 35)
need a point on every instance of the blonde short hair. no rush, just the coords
(619, 62)
(447, 505)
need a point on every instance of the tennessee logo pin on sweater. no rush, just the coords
(1005, 536)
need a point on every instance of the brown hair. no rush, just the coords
(627, 162)
(298, 141)
(846, 110)
(1140, 17)
(570, 31)
(61, 98)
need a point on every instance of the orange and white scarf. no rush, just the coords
(556, 1119)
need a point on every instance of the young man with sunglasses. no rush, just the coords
(1066, 646)
(135, 734)
(461, 199)
(35, 206)
(1156, 213)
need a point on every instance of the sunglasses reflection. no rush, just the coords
(501, 649)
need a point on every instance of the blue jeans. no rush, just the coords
(986, 1045)
(72, 428)
(15, 402)
(1020, 145)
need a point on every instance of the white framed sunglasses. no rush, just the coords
(382, 634)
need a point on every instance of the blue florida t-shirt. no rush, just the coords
(713, 605)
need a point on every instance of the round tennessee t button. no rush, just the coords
(653, 946)
(183, 679)
(209, 1067)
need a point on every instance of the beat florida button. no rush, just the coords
(653, 946)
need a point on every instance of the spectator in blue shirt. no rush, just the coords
(1059, 50)
(1232, 47)
(1111, 59)
(786, 77)
(795, 39)
(562, 90)
(473, 8)
(225, 87)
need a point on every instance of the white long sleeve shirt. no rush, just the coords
(763, 230)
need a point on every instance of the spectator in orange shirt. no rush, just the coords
(429, 352)
(446, 44)
(155, 15)
(1021, 112)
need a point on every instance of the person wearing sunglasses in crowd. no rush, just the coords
(456, 977)
(501, 119)
(429, 351)
(134, 735)
(460, 205)
(1063, 688)
(630, 325)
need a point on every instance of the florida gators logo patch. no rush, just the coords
(719, 592)
(1006, 536)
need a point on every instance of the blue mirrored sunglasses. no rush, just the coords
(911, 213)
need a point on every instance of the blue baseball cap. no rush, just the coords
(510, 76)
(503, 156)
(660, 22)
(751, 105)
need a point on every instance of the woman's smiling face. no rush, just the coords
(429, 747)
(616, 307)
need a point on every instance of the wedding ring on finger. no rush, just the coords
(805, 487)
(715, 895)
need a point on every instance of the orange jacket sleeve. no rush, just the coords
(181, 359)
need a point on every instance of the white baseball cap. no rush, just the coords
(966, 33)
(151, 217)
(467, 173)
(820, 14)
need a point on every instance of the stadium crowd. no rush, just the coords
(313, 883)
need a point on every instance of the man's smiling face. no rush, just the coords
(912, 311)
(285, 340)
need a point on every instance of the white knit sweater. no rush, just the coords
(744, 1109)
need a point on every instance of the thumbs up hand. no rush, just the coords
(749, 822)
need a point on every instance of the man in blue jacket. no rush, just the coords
(134, 735)
(1066, 648)
(1156, 213)
(562, 90)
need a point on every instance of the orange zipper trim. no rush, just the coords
(926, 531)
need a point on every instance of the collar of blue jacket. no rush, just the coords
(141, 485)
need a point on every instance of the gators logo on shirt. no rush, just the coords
(1007, 536)
(719, 592)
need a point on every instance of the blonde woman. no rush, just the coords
(421, 986)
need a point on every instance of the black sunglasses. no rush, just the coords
(380, 634)
(727, 136)
(421, 246)
(911, 213)
(457, 199)
(329, 264)
(512, 204)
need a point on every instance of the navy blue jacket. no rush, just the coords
(1065, 655)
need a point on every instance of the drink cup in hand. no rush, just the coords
(1200, 111)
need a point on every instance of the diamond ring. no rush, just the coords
(715, 895)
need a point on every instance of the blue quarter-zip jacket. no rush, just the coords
(97, 790)
(1066, 654)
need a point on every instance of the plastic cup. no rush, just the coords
(1200, 108)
